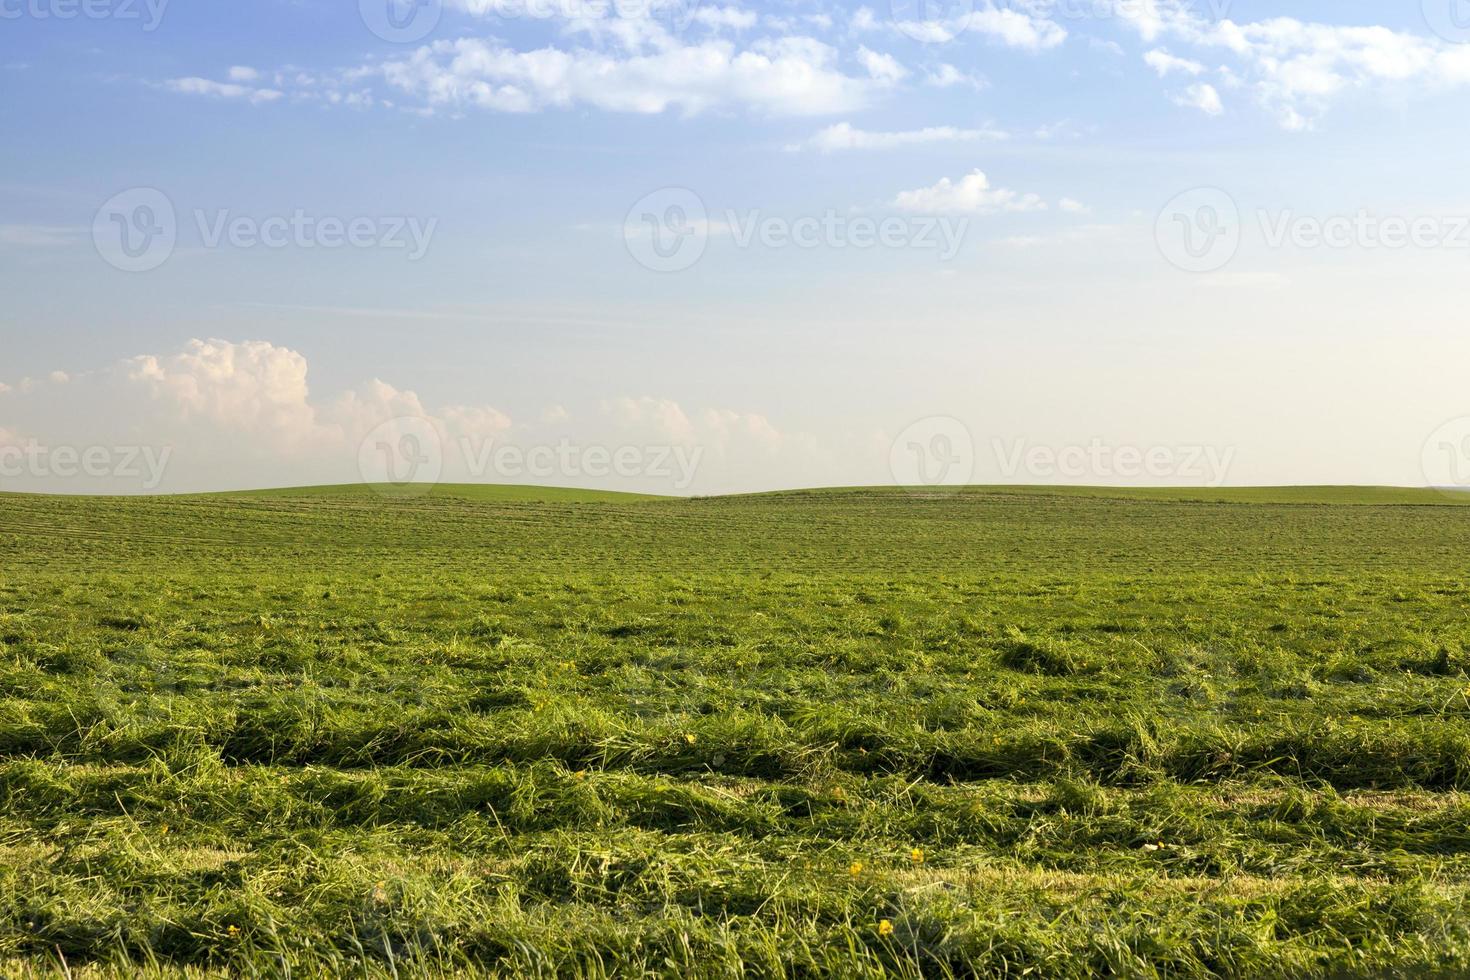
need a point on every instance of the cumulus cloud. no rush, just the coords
(1163, 62)
(1016, 28)
(844, 136)
(222, 90)
(225, 415)
(882, 67)
(1297, 68)
(785, 76)
(948, 76)
(1007, 24)
(732, 18)
(602, 59)
(971, 194)
(1203, 97)
(661, 419)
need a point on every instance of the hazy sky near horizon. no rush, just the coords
(697, 247)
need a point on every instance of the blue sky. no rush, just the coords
(1035, 164)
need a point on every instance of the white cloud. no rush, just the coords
(948, 76)
(1203, 97)
(1297, 68)
(882, 67)
(1163, 62)
(228, 415)
(1002, 23)
(727, 427)
(664, 419)
(971, 194)
(1070, 206)
(252, 387)
(788, 76)
(731, 18)
(222, 90)
(843, 136)
(1016, 28)
(241, 73)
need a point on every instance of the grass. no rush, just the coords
(843, 733)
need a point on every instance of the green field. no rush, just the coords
(826, 733)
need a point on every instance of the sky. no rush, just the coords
(697, 247)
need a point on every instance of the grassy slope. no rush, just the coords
(485, 492)
(465, 491)
(1056, 732)
(1409, 496)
